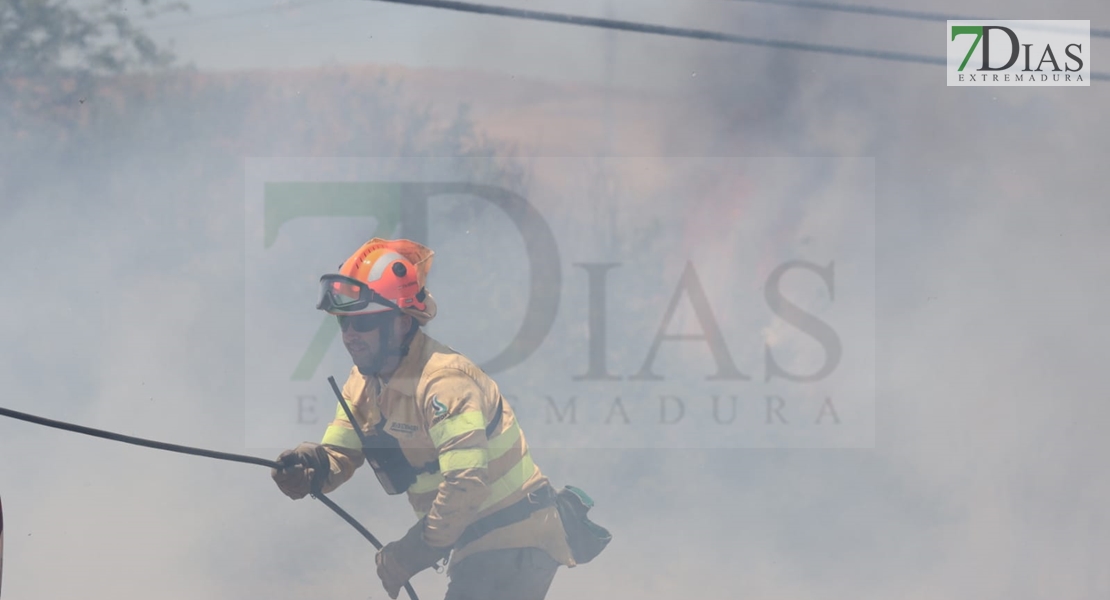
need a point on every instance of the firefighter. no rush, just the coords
(437, 429)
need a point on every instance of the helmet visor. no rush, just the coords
(343, 295)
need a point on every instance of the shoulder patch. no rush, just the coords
(439, 407)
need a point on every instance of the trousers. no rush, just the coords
(508, 574)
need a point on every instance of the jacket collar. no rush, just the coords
(404, 379)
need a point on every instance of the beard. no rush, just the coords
(368, 369)
(369, 363)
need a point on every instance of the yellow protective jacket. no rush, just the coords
(438, 404)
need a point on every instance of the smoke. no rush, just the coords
(983, 481)
(123, 249)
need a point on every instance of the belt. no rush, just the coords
(514, 513)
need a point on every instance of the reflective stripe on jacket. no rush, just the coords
(438, 405)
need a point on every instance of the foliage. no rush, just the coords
(52, 37)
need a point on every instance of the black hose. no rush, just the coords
(253, 460)
(108, 435)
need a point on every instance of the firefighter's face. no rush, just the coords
(362, 336)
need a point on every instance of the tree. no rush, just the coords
(46, 37)
(52, 51)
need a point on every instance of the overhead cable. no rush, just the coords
(897, 13)
(681, 32)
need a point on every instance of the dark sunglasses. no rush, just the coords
(364, 323)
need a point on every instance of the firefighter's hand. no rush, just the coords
(399, 561)
(305, 469)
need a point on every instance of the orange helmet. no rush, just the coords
(383, 275)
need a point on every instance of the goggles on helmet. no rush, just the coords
(340, 294)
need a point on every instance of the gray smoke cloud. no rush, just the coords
(123, 249)
(983, 479)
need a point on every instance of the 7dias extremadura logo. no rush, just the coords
(1031, 53)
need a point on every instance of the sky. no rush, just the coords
(968, 226)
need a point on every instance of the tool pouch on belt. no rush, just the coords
(585, 538)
